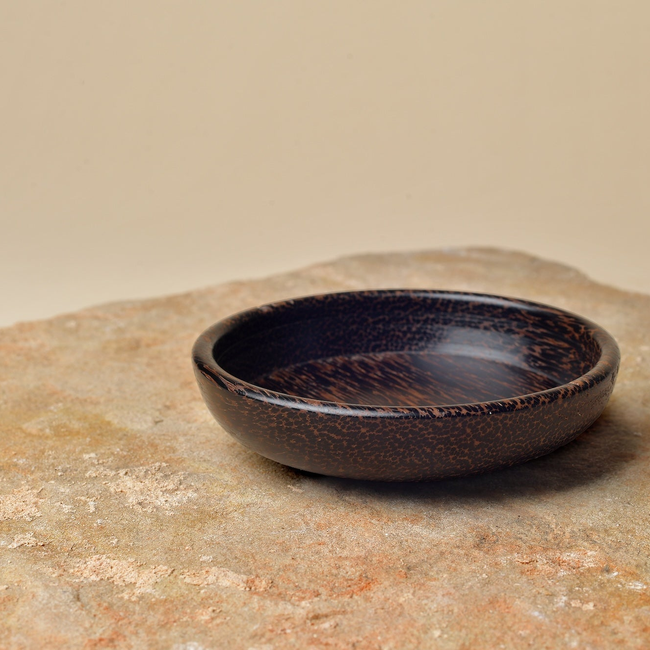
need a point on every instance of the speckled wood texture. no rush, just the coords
(405, 385)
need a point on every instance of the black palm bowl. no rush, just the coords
(405, 385)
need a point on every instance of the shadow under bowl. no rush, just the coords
(405, 385)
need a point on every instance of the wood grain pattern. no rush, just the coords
(405, 385)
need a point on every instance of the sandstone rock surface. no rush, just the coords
(129, 519)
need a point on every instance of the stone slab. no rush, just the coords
(129, 519)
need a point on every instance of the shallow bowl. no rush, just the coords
(405, 385)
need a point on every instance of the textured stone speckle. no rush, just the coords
(129, 519)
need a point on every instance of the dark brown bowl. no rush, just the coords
(405, 385)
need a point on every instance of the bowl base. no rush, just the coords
(406, 378)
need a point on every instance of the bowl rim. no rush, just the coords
(606, 366)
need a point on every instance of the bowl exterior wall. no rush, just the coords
(376, 444)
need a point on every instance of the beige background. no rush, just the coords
(151, 147)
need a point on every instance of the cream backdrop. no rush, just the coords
(149, 147)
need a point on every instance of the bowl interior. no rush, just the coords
(406, 348)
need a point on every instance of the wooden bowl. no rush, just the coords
(405, 385)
